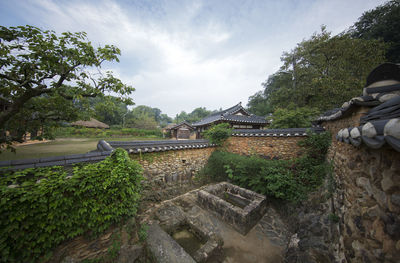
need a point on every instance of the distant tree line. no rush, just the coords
(324, 71)
(116, 113)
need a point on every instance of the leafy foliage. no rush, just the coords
(101, 133)
(44, 76)
(218, 134)
(144, 117)
(49, 207)
(258, 104)
(321, 72)
(109, 110)
(317, 145)
(383, 22)
(284, 179)
(196, 115)
(293, 118)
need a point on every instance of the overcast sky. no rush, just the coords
(180, 55)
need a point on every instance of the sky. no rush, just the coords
(180, 55)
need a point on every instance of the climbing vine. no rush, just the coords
(39, 208)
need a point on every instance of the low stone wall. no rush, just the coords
(170, 173)
(367, 198)
(266, 147)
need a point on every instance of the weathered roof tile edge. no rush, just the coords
(53, 161)
(381, 124)
(276, 132)
(160, 146)
(180, 124)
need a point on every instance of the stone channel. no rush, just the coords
(217, 239)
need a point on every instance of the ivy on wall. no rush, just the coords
(39, 208)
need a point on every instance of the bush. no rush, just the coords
(218, 134)
(290, 180)
(48, 207)
(101, 133)
(316, 145)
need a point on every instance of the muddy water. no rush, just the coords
(187, 240)
(254, 247)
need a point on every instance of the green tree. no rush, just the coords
(164, 120)
(293, 118)
(44, 74)
(183, 116)
(383, 22)
(218, 133)
(321, 72)
(198, 114)
(277, 89)
(109, 110)
(142, 117)
(194, 116)
(329, 67)
(258, 104)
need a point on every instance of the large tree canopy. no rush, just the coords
(321, 73)
(383, 22)
(43, 75)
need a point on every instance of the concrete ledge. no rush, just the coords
(164, 248)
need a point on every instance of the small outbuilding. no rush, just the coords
(182, 130)
(91, 123)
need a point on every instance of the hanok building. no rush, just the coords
(237, 117)
(182, 130)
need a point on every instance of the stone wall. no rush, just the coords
(367, 198)
(266, 147)
(170, 173)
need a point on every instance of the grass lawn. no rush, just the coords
(62, 146)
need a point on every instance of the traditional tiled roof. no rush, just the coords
(229, 115)
(159, 146)
(383, 84)
(181, 124)
(374, 134)
(381, 124)
(63, 160)
(291, 132)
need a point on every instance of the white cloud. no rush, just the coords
(180, 55)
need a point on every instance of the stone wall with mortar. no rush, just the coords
(170, 173)
(267, 147)
(367, 198)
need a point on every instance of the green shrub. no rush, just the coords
(218, 134)
(35, 217)
(316, 144)
(290, 180)
(102, 133)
